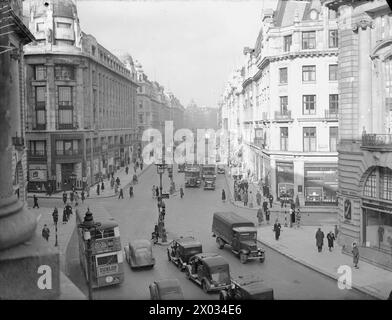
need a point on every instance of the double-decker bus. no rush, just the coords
(107, 259)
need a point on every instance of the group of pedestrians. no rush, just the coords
(74, 197)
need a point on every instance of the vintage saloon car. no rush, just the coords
(138, 254)
(209, 270)
(182, 249)
(167, 289)
(247, 288)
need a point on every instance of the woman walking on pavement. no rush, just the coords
(153, 191)
(260, 216)
(267, 216)
(223, 195)
(276, 229)
(355, 253)
(330, 238)
(298, 218)
(181, 192)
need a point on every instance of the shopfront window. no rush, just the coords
(321, 184)
(370, 185)
(378, 229)
(285, 179)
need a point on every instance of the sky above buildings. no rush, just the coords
(190, 47)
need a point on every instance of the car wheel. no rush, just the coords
(262, 259)
(220, 243)
(243, 258)
(204, 286)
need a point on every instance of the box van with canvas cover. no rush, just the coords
(239, 233)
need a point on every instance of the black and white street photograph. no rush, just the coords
(197, 150)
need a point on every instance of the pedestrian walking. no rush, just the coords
(153, 191)
(68, 210)
(336, 231)
(298, 218)
(134, 179)
(281, 202)
(55, 216)
(330, 238)
(126, 170)
(260, 216)
(157, 191)
(98, 189)
(35, 199)
(223, 195)
(65, 197)
(355, 253)
(181, 192)
(45, 232)
(65, 215)
(82, 196)
(121, 195)
(76, 199)
(265, 206)
(250, 199)
(245, 198)
(277, 229)
(118, 181)
(258, 198)
(131, 191)
(88, 191)
(292, 216)
(319, 239)
(267, 216)
(271, 200)
(102, 186)
(112, 183)
(71, 196)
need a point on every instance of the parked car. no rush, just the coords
(247, 288)
(138, 253)
(182, 249)
(239, 233)
(209, 270)
(168, 289)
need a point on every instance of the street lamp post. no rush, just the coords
(88, 225)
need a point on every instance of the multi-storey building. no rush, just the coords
(80, 119)
(200, 117)
(155, 106)
(288, 103)
(365, 137)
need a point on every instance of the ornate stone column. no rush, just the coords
(363, 27)
(16, 223)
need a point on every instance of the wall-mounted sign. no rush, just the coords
(38, 172)
(347, 209)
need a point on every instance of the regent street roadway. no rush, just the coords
(192, 215)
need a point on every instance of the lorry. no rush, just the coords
(208, 174)
(238, 233)
(192, 176)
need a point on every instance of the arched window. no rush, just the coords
(381, 177)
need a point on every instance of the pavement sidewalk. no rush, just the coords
(125, 180)
(300, 245)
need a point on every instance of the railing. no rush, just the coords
(36, 153)
(66, 126)
(40, 127)
(62, 152)
(377, 140)
(331, 114)
(282, 115)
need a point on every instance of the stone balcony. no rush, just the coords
(283, 116)
(377, 142)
